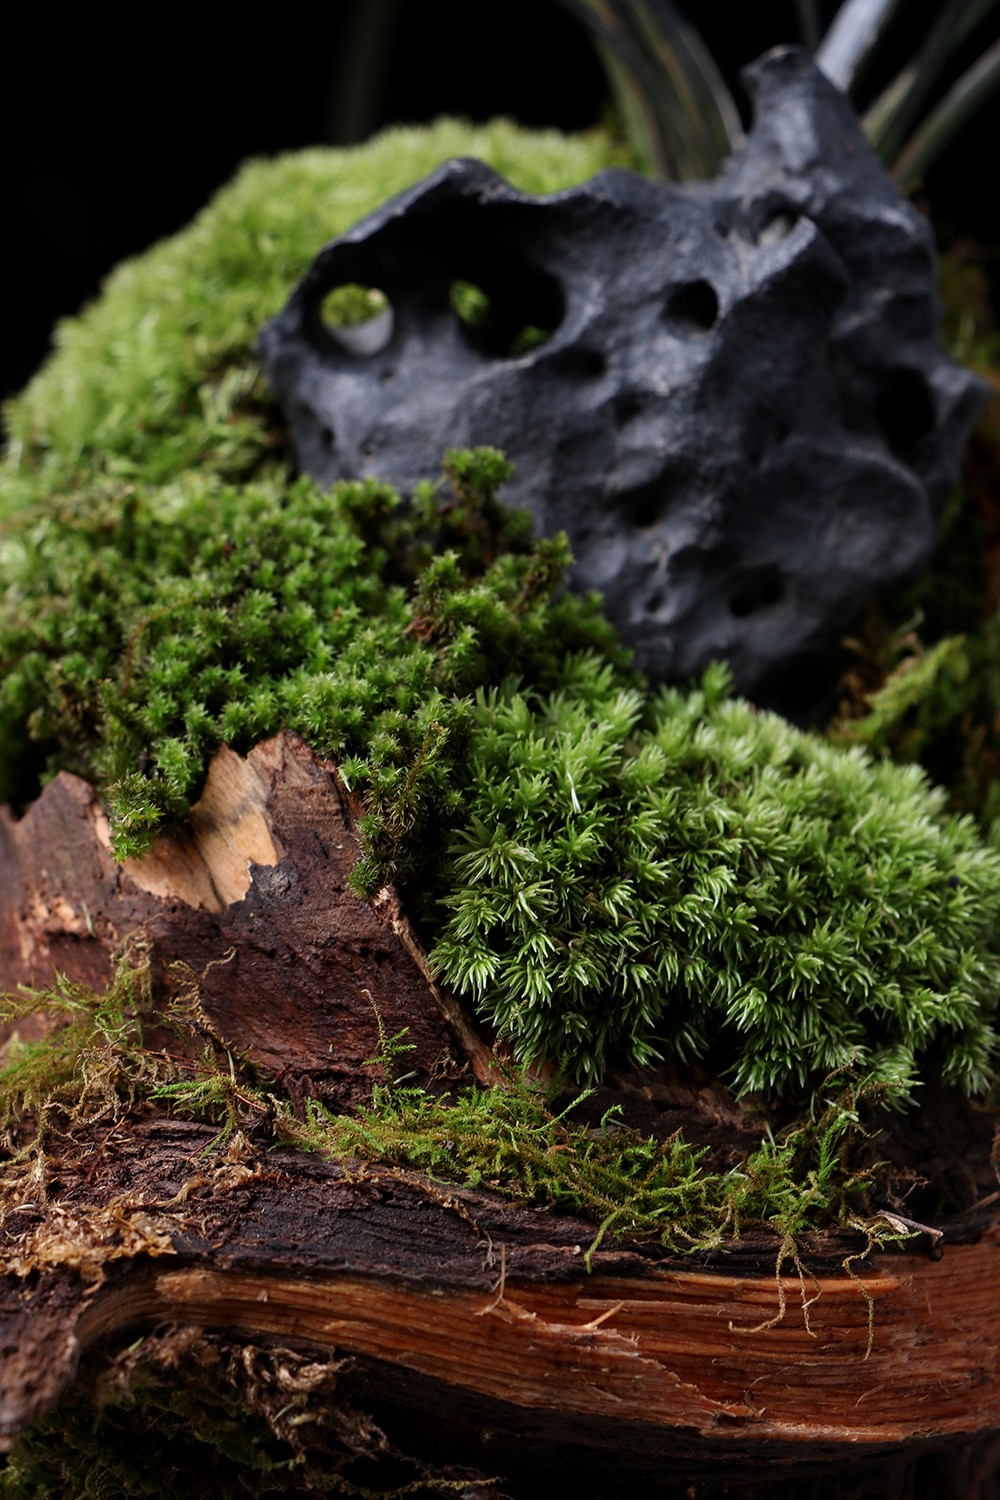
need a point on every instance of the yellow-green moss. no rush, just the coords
(158, 376)
(511, 1138)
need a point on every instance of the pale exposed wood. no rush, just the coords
(209, 863)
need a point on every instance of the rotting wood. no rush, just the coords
(251, 898)
(431, 1288)
(493, 1300)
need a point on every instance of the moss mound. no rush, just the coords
(611, 875)
(691, 877)
(158, 377)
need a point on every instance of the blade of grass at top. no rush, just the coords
(679, 114)
(961, 101)
(892, 117)
(851, 38)
(699, 86)
(633, 84)
(810, 29)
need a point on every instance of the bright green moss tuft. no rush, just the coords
(708, 881)
(138, 635)
(629, 876)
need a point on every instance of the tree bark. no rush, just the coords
(252, 900)
(702, 1375)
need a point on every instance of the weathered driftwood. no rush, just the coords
(450, 1301)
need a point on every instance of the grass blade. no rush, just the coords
(962, 100)
(891, 118)
(809, 23)
(851, 39)
(681, 119)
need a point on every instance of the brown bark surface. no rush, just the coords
(494, 1301)
(252, 900)
(447, 1300)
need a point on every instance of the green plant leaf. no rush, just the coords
(962, 100)
(892, 117)
(680, 117)
(851, 39)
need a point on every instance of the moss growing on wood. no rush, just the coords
(511, 1138)
(630, 873)
(631, 876)
(138, 635)
(813, 1175)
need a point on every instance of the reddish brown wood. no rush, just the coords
(491, 1302)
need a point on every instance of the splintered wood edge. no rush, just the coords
(681, 1352)
(207, 864)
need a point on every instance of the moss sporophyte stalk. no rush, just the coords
(609, 874)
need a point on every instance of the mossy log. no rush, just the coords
(480, 1331)
(252, 897)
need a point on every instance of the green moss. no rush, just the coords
(628, 876)
(90, 1064)
(511, 1138)
(137, 635)
(691, 877)
(158, 376)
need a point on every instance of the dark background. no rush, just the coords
(110, 141)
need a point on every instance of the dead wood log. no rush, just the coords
(701, 1376)
(251, 900)
(643, 1364)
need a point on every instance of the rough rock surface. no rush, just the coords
(731, 396)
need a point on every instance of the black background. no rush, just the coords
(114, 136)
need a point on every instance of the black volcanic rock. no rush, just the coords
(730, 395)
